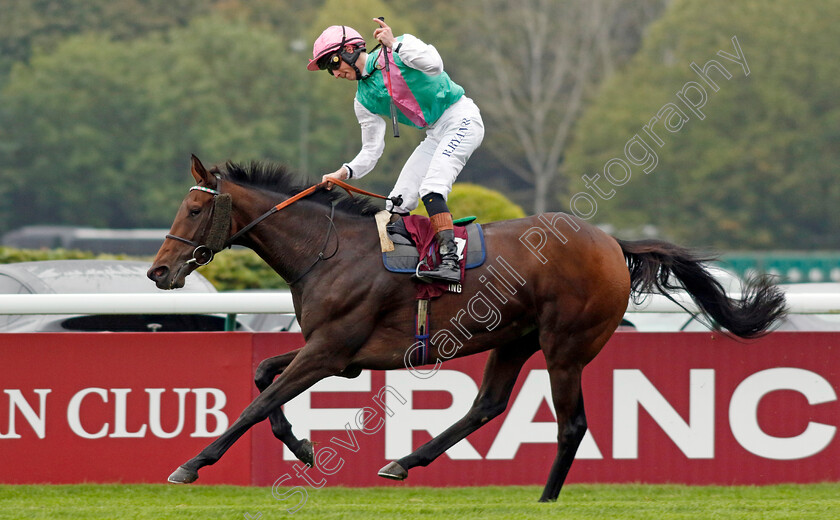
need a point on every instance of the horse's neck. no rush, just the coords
(291, 240)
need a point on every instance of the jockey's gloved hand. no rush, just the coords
(394, 205)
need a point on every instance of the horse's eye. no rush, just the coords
(194, 212)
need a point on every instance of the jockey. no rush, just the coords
(426, 98)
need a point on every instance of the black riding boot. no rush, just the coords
(449, 269)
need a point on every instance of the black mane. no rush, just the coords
(278, 179)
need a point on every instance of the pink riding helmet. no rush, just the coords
(332, 39)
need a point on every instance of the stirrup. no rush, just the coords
(418, 276)
(439, 276)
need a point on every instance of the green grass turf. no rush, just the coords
(160, 502)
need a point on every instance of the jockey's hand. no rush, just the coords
(384, 34)
(340, 174)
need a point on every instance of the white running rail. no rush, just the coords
(281, 302)
(147, 303)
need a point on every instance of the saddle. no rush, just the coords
(405, 256)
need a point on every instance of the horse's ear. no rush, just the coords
(200, 173)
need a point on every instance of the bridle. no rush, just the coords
(219, 228)
(220, 222)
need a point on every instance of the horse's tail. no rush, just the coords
(653, 264)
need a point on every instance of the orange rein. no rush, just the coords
(308, 191)
(291, 200)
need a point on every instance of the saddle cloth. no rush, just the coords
(404, 257)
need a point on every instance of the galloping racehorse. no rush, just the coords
(560, 284)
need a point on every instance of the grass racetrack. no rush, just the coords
(159, 502)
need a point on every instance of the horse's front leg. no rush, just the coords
(280, 426)
(311, 364)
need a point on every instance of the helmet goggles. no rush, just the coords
(330, 49)
(330, 62)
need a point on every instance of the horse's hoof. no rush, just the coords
(183, 475)
(393, 471)
(306, 453)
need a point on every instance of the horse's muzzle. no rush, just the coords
(163, 278)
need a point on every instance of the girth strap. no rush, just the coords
(421, 330)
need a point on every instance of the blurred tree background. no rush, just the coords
(103, 101)
(759, 171)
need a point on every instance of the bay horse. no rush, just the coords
(565, 287)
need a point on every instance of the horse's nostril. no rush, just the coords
(156, 274)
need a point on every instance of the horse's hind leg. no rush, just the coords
(565, 359)
(500, 371)
(280, 426)
(570, 434)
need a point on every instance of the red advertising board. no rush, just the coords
(119, 407)
(694, 408)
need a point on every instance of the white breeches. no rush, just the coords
(440, 157)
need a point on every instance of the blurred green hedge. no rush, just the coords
(231, 270)
(238, 269)
(472, 200)
(10, 255)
